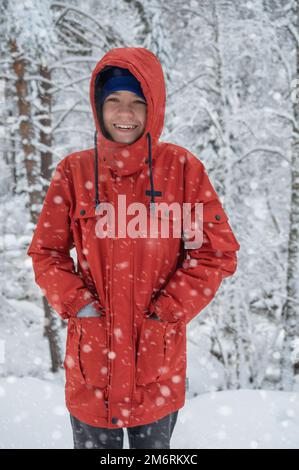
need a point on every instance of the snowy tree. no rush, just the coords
(290, 312)
(28, 49)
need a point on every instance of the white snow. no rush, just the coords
(34, 416)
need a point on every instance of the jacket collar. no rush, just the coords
(124, 159)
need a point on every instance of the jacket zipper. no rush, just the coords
(133, 329)
(110, 331)
(132, 322)
(109, 278)
(108, 386)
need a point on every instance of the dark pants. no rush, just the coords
(155, 435)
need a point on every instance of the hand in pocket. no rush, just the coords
(88, 311)
(154, 316)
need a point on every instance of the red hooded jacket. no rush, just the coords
(125, 368)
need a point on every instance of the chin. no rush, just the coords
(125, 139)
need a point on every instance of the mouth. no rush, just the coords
(125, 127)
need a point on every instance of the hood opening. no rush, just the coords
(100, 80)
(99, 84)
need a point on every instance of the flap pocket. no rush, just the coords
(84, 212)
(93, 351)
(166, 218)
(84, 219)
(214, 213)
(218, 230)
(165, 211)
(150, 351)
(161, 352)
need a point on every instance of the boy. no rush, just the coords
(131, 297)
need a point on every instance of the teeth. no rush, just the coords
(124, 127)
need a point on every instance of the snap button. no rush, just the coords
(217, 217)
(82, 212)
(114, 420)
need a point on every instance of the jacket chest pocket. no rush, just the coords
(161, 352)
(164, 223)
(217, 230)
(86, 357)
(84, 223)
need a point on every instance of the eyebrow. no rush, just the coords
(118, 92)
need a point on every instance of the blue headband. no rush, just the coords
(129, 83)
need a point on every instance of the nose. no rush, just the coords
(125, 108)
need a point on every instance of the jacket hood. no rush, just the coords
(123, 158)
(146, 67)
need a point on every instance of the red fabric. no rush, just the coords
(127, 369)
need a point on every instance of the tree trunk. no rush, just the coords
(52, 324)
(289, 364)
(26, 130)
(51, 331)
(37, 191)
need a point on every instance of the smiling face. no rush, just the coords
(124, 108)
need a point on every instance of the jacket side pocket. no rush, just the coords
(175, 363)
(150, 351)
(93, 351)
(71, 361)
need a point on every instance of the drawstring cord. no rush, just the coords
(152, 192)
(96, 175)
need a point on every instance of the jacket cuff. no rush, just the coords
(163, 307)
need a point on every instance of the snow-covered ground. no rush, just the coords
(33, 415)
